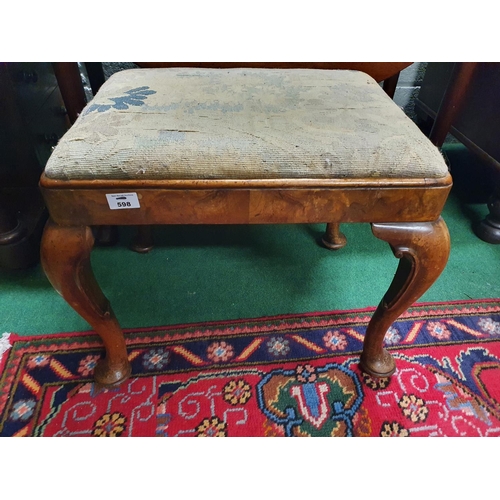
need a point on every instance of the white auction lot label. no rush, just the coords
(123, 200)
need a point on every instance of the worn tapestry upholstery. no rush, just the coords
(243, 124)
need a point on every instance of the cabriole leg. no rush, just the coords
(423, 249)
(65, 256)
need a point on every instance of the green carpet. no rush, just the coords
(204, 273)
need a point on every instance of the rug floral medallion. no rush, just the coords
(294, 375)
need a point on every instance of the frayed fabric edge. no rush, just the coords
(5, 345)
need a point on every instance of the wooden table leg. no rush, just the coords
(489, 228)
(65, 256)
(106, 236)
(423, 249)
(390, 85)
(143, 240)
(333, 238)
(452, 101)
(70, 84)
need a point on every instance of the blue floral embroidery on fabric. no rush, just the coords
(134, 97)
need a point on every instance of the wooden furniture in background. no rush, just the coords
(32, 119)
(378, 71)
(464, 99)
(403, 210)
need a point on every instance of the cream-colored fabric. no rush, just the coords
(243, 124)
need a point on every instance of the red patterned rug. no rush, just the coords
(294, 375)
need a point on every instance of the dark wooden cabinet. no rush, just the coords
(476, 124)
(32, 119)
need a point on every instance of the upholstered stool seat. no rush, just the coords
(244, 146)
(243, 124)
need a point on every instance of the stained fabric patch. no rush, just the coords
(133, 97)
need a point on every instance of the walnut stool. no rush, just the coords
(244, 146)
